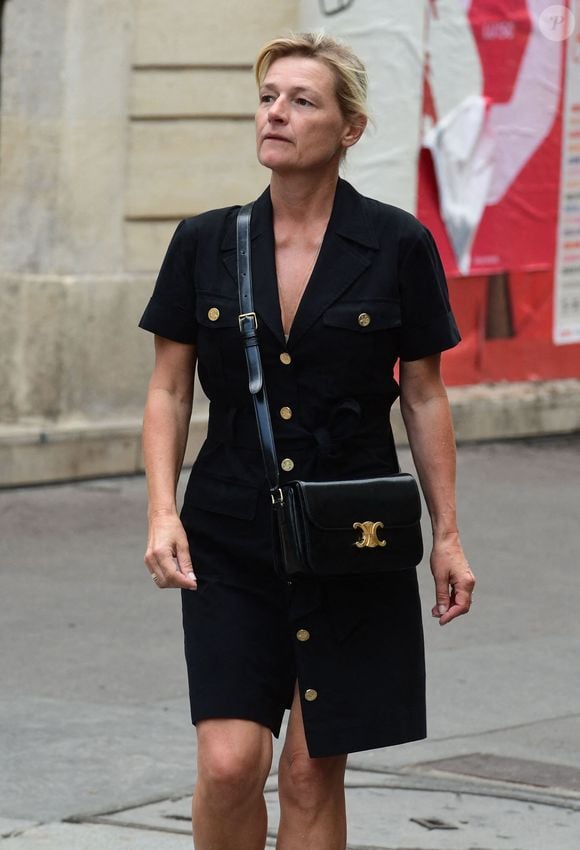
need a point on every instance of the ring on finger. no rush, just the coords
(154, 577)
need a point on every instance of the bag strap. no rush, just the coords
(248, 323)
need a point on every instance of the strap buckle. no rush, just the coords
(277, 497)
(252, 317)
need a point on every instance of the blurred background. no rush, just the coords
(120, 117)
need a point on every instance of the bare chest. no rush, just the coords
(294, 266)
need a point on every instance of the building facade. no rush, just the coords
(117, 119)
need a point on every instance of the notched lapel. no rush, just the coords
(347, 251)
(337, 268)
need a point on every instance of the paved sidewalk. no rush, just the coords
(96, 746)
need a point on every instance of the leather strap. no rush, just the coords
(248, 328)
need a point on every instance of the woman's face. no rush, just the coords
(299, 125)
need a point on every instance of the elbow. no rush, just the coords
(411, 405)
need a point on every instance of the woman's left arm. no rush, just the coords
(427, 417)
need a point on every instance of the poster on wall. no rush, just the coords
(567, 273)
(494, 134)
(388, 38)
(478, 84)
(476, 130)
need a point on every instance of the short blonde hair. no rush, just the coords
(349, 72)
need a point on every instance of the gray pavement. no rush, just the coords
(96, 747)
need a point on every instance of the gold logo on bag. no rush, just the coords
(368, 538)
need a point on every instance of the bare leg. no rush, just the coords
(312, 805)
(228, 810)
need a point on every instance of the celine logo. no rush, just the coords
(368, 538)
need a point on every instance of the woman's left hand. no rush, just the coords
(454, 581)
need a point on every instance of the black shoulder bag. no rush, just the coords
(326, 528)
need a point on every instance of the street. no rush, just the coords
(95, 728)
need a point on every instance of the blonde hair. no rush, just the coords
(351, 84)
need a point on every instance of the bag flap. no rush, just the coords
(336, 505)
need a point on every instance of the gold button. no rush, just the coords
(285, 358)
(303, 635)
(310, 695)
(287, 464)
(286, 412)
(364, 320)
(213, 314)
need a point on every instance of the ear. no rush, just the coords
(354, 131)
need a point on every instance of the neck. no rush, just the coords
(301, 197)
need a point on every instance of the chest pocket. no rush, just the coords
(220, 353)
(364, 317)
(216, 311)
(361, 343)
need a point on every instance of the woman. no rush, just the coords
(343, 287)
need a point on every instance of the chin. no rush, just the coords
(276, 163)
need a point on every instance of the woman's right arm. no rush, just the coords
(165, 429)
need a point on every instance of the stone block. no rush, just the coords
(217, 33)
(43, 452)
(10, 347)
(180, 167)
(107, 359)
(32, 346)
(508, 410)
(73, 346)
(146, 243)
(193, 92)
(63, 139)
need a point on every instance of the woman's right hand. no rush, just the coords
(167, 557)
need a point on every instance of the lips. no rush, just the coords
(275, 138)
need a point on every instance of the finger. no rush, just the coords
(157, 581)
(460, 604)
(185, 567)
(157, 574)
(171, 575)
(153, 567)
(442, 597)
(162, 564)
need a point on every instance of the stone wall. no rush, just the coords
(118, 118)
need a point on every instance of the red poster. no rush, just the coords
(521, 80)
(489, 182)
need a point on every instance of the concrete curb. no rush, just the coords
(43, 452)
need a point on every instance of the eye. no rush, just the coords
(267, 98)
(302, 101)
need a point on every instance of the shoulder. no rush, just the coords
(393, 228)
(388, 217)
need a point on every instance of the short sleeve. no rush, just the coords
(170, 312)
(428, 325)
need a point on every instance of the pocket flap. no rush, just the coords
(216, 311)
(364, 316)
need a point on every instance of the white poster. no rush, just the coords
(388, 37)
(567, 272)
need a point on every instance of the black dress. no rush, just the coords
(377, 293)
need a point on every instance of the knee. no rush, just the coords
(307, 783)
(230, 777)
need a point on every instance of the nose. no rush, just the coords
(277, 113)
